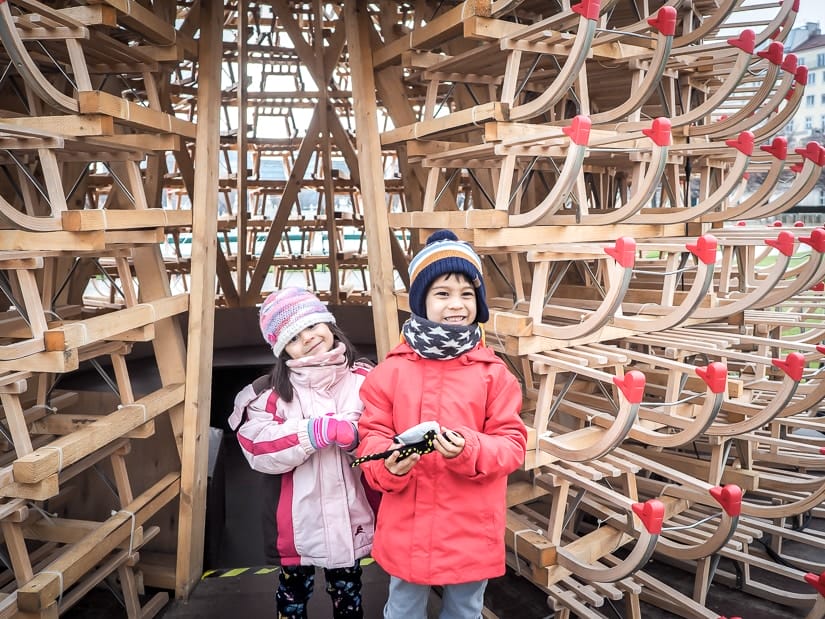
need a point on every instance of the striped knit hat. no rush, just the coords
(287, 312)
(443, 254)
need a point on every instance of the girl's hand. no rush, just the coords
(400, 467)
(449, 443)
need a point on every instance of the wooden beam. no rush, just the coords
(195, 448)
(385, 310)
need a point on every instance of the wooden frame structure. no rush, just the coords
(594, 154)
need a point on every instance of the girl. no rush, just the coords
(299, 424)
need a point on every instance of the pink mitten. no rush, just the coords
(327, 430)
(343, 433)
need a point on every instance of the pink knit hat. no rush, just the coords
(287, 312)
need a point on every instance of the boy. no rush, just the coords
(442, 515)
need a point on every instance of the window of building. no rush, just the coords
(822, 197)
(822, 99)
(811, 79)
(820, 60)
(809, 123)
(800, 61)
(810, 100)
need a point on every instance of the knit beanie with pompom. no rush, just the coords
(443, 254)
(287, 312)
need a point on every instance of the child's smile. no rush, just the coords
(451, 299)
(313, 340)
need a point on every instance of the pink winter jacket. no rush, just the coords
(443, 523)
(318, 512)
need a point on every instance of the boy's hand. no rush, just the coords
(449, 443)
(403, 466)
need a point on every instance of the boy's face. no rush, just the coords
(313, 340)
(451, 299)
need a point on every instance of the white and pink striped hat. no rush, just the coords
(287, 312)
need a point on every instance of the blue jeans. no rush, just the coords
(409, 601)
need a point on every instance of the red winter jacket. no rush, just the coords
(443, 523)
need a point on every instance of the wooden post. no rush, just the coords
(241, 213)
(376, 223)
(195, 452)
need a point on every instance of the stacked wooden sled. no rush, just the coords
(669, 341)
(90, 479)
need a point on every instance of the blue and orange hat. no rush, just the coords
(443, 254)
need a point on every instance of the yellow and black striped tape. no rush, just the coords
(257, 571)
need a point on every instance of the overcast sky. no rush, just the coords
(810, 10)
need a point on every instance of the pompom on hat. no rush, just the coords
(443, 254)
(287, 312)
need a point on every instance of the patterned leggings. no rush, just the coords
(298, 581)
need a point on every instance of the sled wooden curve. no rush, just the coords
(649, 182)
(811, 389)
(792, 101)
(664, 25)
(746, 417)
(784, 96)
(797, 279)
(72, 52)
(752, 292)
(27, 67)
(743, 145)
(560, 86)
(590, 442)
(801, 278)
(538, 536)
(42, 206)
(668, 462)
(579, 133)
(731, 64)
(704, 252)
(807, 175)
(782, 22)
(708, 22)
(783, 496)
(567, 145)
(692, 545)
(628, 514)
(677, 483)
(673, 418)
(778, 150)
(763, 102)
(616, 268)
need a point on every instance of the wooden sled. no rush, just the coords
(763, 102)
(743, 146)
(750, 294)
(670, 415)
(615, 270)
(729, 211)
(591, 441)
(79, 46)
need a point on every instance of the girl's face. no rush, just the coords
(313, 340)
(451, 299)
